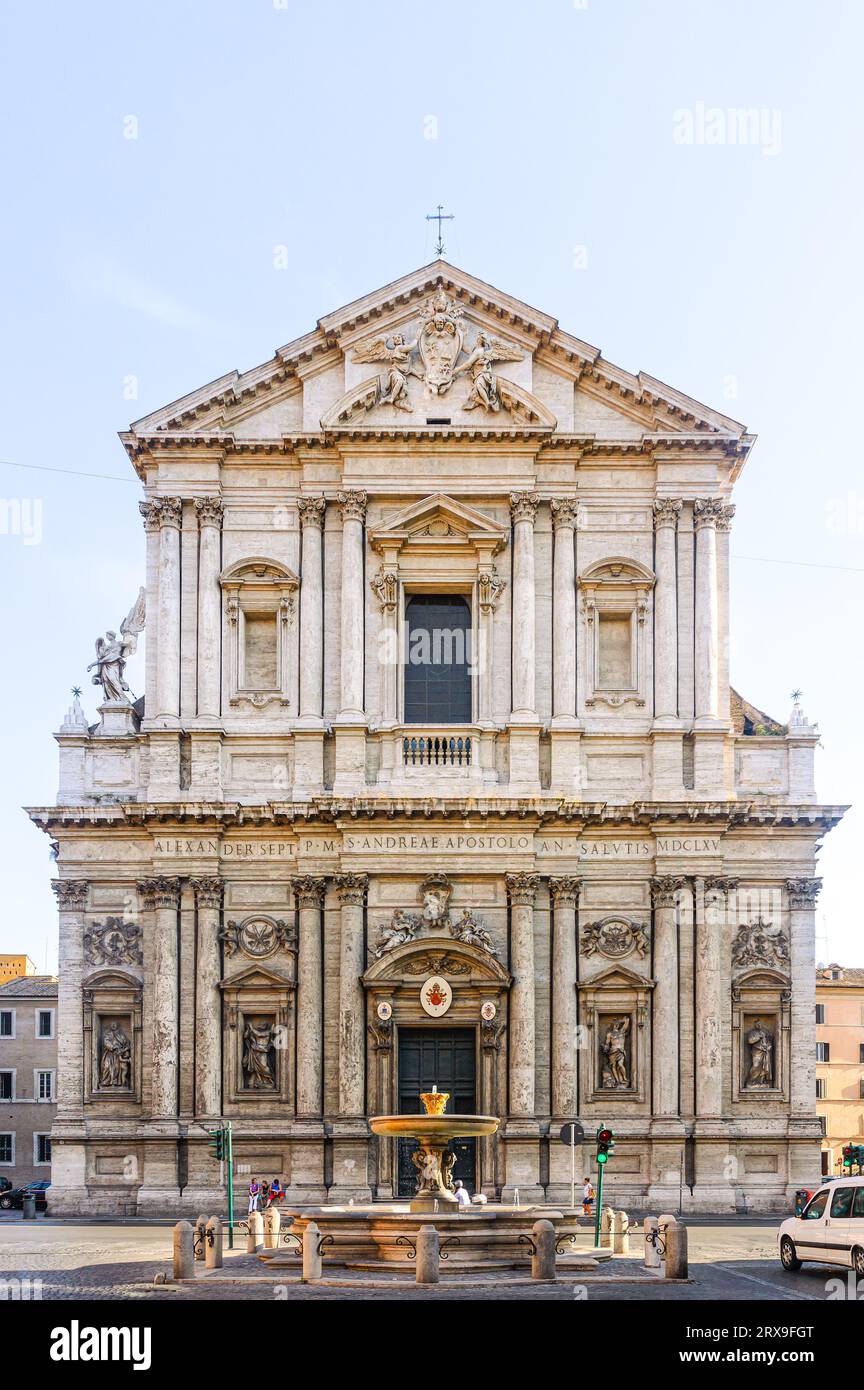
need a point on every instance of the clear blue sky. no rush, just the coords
(731, 270)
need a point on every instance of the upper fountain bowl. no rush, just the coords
(434, 1126)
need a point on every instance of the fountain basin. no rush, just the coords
(434, 1159)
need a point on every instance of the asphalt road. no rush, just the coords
(729, 1261)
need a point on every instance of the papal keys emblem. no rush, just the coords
(436, 996)
(440, 341)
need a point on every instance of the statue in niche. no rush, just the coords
(484, 383)
(761, 1044)
(469, 930)
(115, 1060)
(259, 1071)
(614, 1047)
(402, 928)
(112, 653)
(393, 386)
(435, 894)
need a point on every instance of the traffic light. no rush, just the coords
(605, 1145)
(217, 1143)
(848, 1155)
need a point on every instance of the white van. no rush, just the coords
(830, 1229)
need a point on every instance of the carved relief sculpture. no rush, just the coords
(402, 929)
(484, 383)
(257, 937)
(469, 930)
(761, 1044)
(115, 1059)
(614, 937)
(115, 942)
(112, 653)
(393, 385)
(760, 943)
(614, 1047)
(259, 1060)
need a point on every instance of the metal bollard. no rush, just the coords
(311, 1253)
(213, 1249)
(255, 1238)
(184, 1251)
(543, 1258)
(652, 1247)
(676, 1263)
(272, 1224)
(428, 1255)
(200, 1238)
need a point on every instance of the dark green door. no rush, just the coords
(444, 1057)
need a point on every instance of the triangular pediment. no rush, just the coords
(616, 977)
(340, 377)
(439, 519)
(256, 977)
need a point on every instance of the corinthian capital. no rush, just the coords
(309, 891)
(208, 891)
(803, 892)
(565, 512)
(161, 511)
(209, 511)
(160, 891)
(564, 890)
(523, 506)
(664, 890)
(311, 511)
(666, 512)
(521, 889)
(352, 505)
(71, 893)
(724, 520)
(352, 888)
(708, 511)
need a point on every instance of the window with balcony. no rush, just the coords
(437, 687)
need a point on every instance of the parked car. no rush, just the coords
(5, 1184)
(830, 1230)
(13, 1198)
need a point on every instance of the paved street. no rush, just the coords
(729, 1261)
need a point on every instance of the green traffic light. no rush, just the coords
(601, 1158)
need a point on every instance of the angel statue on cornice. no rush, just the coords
(484, 382)
(393, 386)
(112, 653)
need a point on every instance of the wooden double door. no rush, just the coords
(446, 1058)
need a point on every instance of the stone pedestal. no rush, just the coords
(350, 1162)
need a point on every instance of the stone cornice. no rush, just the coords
(348, 812)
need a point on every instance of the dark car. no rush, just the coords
(5, 1184)
(13, 1199)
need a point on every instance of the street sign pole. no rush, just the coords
(229, 1144)
(572, 1165)
(600, 1168)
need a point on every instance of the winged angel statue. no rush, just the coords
(112, 653)
(484, 383)
(393, 385)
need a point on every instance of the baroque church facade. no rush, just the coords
(437, 778)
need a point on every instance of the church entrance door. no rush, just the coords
(446, 1058)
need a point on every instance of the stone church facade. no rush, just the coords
(437, 777)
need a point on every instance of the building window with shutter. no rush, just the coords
(823, 1052)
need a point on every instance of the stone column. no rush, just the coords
(352, 1023)
(385, 586)
(309, 892)
(565, 899)
(724, 526)
(666, 514)
(209, 511)
(208, 1000)
(523, 507)
(166, 514)
(162, 895)
(312, 510)
(150, 511)
(353, 508)
(803, 893)
(522, 888)
(664, 1040)
(71, 902)
(710, 1006)
(706, 513)
(564, 603)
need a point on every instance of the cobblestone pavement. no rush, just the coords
(119, 1262)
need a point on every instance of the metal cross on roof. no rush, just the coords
(439, 217)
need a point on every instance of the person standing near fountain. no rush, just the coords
(462, 1195)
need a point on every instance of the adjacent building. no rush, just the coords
(437, 778)
(840, 1059)
(28, 1076)
(13, 966)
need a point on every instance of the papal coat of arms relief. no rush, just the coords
(438, 355)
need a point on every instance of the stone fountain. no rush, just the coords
(381, 1235)
(434, 1159)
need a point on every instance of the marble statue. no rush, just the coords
(396, 352)
(761, 1044)
(469, 930)
(401, 929)
(258, 1072)
(614, 1049)
(115, 1062)
(484, 383)
(112, 653)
